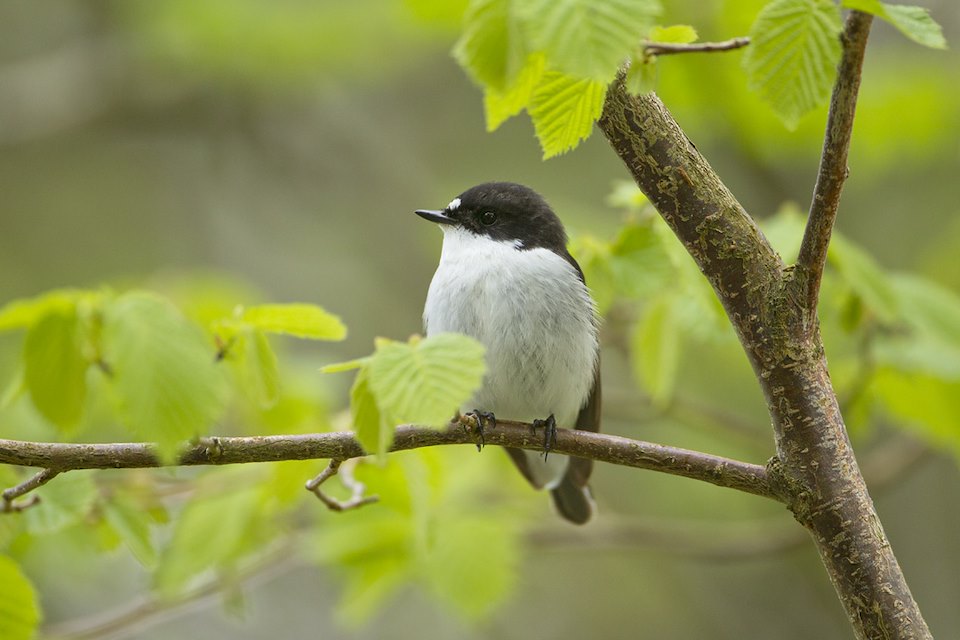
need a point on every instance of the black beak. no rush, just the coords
(435, 216)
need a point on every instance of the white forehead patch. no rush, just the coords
(454, 204)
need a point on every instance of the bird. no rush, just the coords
(506, 278)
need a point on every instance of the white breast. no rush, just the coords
(534, 315)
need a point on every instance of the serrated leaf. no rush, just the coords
(491, 49)
(563, 110)
(913, 22)
(132, 526)
(865, 277)
(260, 367)
(64, 501)
(55, 368)
(20, 611)
(298, 320)
(499, 106)
(21, 313)
(792, 58)
(168, 386)
(373, 433)
(426, 381)
(674, 34)
(586, 38)
(655, 350)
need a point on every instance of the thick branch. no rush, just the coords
(833, 164)
(723, 472)
(815, 469)
(723, 240)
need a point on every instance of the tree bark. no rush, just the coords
(768, 304)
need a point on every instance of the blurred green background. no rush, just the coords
(287, 143)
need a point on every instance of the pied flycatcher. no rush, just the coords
(506, 278)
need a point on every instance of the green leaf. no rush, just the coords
(491, 49)
(55, 368)
(933, 310)
(641, 76)
(865, 277)
(168, 386)
(593, 255)
(22, 313)
(913, 22)
(784, 231)
(474, 583)
(260, 368)
(299, 320)
(20, 610)
(211, 532)
(563, 110)
(426, 381)
(655, 350)
(64, 501)
(924, 403)
(793, 54)
(499, 106)
(373, 433)
(132, 525)
(586, 38)
(627, 195)
(349, 365)
(674, 34)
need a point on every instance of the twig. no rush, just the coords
(833, 165)
(668, 48)
(357, 499)
(724, 472)
(34, 482)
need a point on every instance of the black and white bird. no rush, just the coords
(506, 278)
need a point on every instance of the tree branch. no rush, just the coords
(357, 499)
(833, 164)
(815, 470)
(723, 472)
(668, 48)
(37, 480)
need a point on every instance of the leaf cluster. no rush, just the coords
(555, 58)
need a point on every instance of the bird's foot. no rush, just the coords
(549, 433)
(480, 417)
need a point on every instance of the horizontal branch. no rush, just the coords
(667, 48)
(341, 445)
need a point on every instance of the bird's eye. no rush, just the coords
(487, 218)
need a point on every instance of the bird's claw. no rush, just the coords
(549, 433)
(480, 417)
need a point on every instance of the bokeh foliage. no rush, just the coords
(238, 77)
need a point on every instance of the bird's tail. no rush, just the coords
(573, 501)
